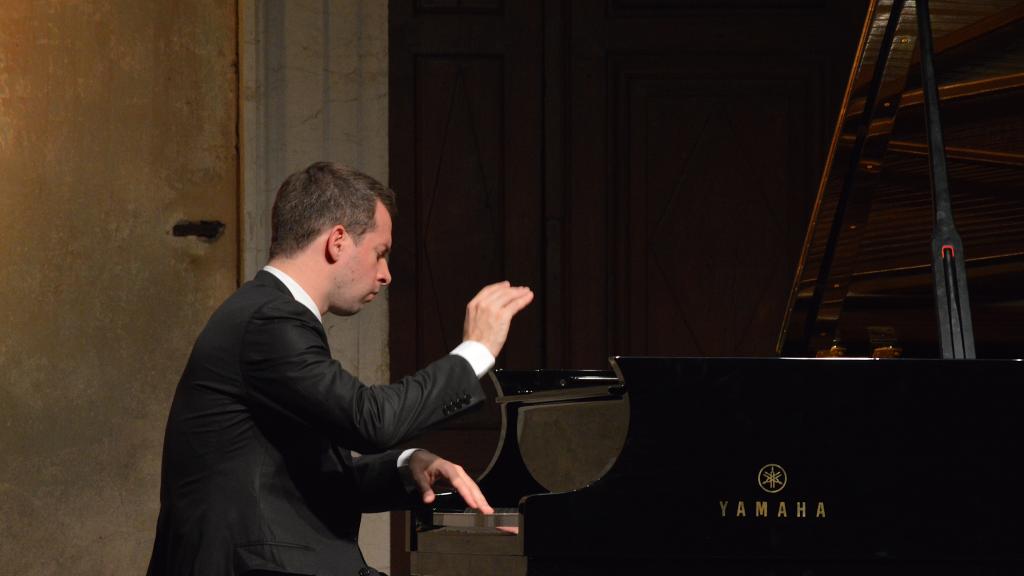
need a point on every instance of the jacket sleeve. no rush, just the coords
(379, 483)
(287, 367)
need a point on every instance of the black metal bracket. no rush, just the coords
(952, 302)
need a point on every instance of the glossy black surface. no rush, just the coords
(507, 479)
(916, 463)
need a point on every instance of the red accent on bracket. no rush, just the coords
(949, 247)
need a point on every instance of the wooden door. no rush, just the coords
(696, 136)
(466, 164)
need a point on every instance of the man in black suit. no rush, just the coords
(258, 470)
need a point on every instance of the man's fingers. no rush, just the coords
(471, 493)
(468, 489)
(429, 468)
(484, 507)
(497, 294)
(498, 302)
(519, 302)
(504, 298)
(424, 483)
(486, 291)
(461, 483)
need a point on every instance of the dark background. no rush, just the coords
(647, 167)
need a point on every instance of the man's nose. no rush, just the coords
(384, 273)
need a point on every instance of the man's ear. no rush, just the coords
(337, 237)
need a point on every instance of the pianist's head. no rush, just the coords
(331, 232)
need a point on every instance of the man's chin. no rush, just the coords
(346, 311)
(352, 308)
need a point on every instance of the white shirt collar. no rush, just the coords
(300, 295)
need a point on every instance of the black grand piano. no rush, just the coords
(866, 447)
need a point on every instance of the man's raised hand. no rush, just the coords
(489, 314)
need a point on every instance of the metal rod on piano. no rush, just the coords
(831, 245)
(952, 301)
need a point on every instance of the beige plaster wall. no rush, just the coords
(314, 87)
(117, 119)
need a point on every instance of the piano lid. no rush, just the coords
(864, 278)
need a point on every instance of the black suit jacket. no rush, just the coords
(258, 472)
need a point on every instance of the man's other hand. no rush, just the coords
(428, 469)
(489, 314)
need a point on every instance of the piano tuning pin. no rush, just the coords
(883, 342)
(887, 352)
(833, 351)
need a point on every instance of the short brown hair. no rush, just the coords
(324, 195)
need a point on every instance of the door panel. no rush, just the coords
(465, 129)
(697, 134)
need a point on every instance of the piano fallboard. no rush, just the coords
(824, 463)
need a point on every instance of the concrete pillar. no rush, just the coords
(314, 87)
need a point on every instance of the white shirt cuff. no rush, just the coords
(403, 458)
(404, 473)
(478, 356)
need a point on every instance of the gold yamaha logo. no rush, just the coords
(771, 478)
